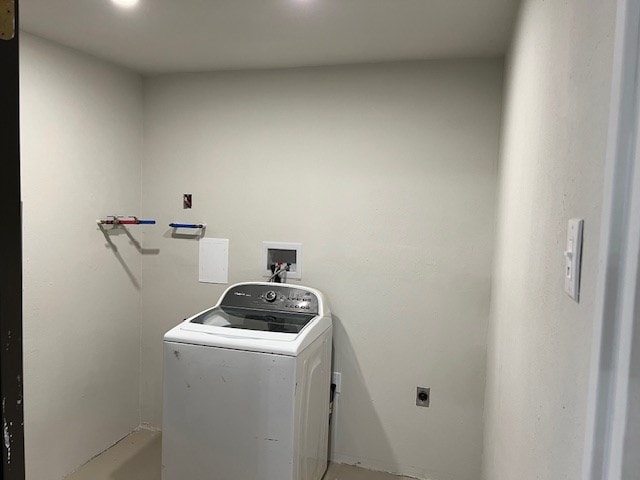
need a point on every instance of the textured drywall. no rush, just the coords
(551, 169)
(387, 175)
(81, 133)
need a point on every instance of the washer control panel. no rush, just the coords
(271, 297)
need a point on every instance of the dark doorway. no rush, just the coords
(11, 257)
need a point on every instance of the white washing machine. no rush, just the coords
(246, 387)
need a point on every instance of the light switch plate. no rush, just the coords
(336, 379)
(573, 258)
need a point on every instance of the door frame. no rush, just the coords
(11, 259)
(617, 305)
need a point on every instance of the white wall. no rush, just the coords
(387, 175)
(552, 157)
(81, 130)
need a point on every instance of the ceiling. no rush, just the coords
(159, 36)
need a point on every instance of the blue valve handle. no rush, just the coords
(186, 225)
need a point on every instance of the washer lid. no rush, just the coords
(253, 319)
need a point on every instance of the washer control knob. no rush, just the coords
(270, 296)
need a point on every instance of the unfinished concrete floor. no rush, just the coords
(137, 457)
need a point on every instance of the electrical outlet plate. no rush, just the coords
(423, 396)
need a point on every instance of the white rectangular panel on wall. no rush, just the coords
(214, 260)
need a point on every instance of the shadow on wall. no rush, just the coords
(136, 243)
(109, 235)
(367, 449)
(114, 232)
(181, 235)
